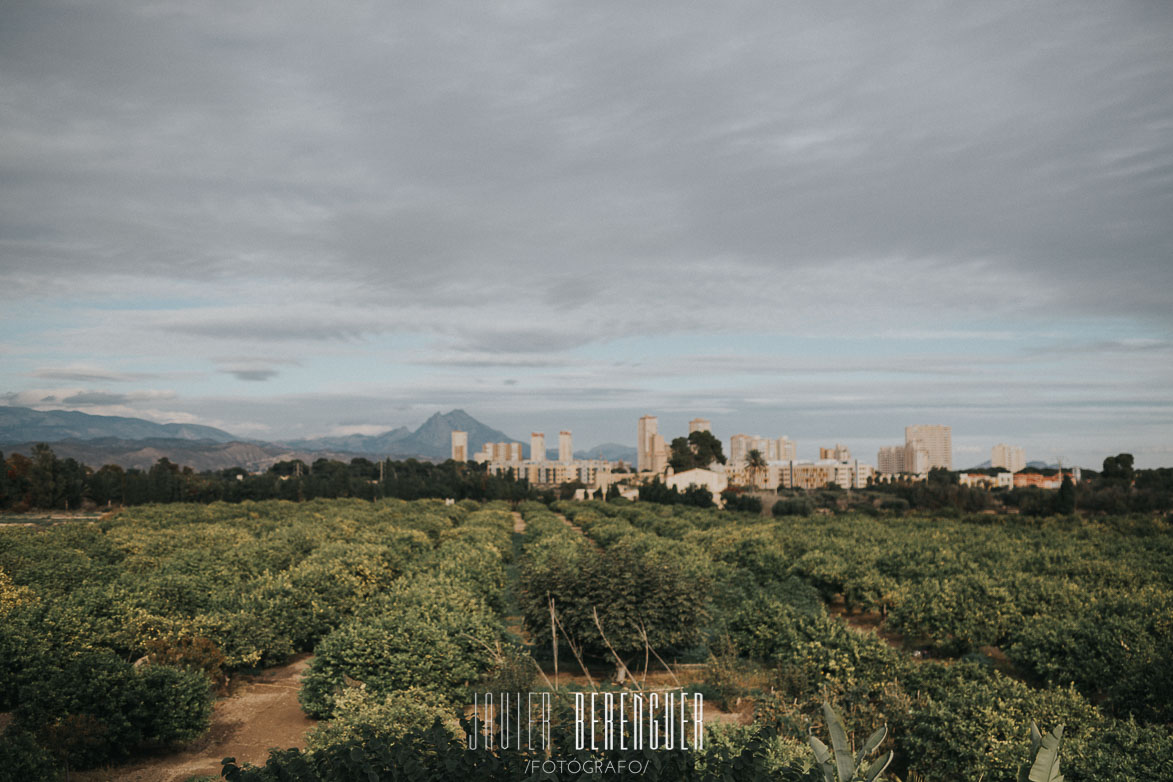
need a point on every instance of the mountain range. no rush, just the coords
(18, 424)
(133, 442)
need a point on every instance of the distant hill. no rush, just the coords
(385, 443)
(200, 455)
(22, 424)
(612, 452)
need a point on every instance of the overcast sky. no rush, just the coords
(829, 222)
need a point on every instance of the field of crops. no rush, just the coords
(116, 636)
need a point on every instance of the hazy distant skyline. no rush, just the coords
(828, 222)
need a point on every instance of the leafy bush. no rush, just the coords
(94, 707)
(798, 506)
(389, 715)
(430, 634)
(23, 757)
(639, 584)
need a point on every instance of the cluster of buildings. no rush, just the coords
(777, 464)
(502, 458)
(757, 461)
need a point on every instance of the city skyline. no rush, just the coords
(826, 222)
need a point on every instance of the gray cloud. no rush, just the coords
(255, 375)
(553, 152)
(87, 374)
(87, 398)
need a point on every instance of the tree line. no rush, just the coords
(44, 481)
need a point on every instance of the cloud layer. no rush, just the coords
(789, 217)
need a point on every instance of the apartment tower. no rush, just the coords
(1010, 457)
(937, 441)
(700, 425)
(459, 446)
(644, 442)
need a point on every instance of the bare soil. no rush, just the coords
(261, 712)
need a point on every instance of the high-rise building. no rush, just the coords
(890, 460)
(646, 430)
(1009, 457)
(936, 440)
(565, 448)
(771, 449)
(537, 447)
(911, 458)
(840, 453)
(459, 446)
(700, 425)
(499, 452)
(658, 458)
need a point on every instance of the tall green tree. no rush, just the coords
(1118, 468)
(1065, 498)
(44, 465)
(5, 490)
(699, 449)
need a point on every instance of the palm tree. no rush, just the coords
(756, 463)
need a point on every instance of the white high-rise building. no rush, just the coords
(645, 432)
(1009, 457)
(700, 425)
(499, 452)
(911, 458)
(771, 449)
(565, 447)
(840, 453)
(537, 447)
(459, 446)
(936, 440)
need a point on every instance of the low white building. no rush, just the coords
(715, 482)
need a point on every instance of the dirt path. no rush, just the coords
(262, 712)
(518, 523)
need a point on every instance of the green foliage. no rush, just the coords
(798, 506)
(838, 764)
(431, 634)
(435, 755)
(740, 501)
(215, 588)
(1044, 757)
(699, 449)
(93, 707)
(22, 757)
(639, 584)
(358, 711)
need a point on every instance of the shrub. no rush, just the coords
(389, 715)
(431, 634)
(94, 707)
(799, 506)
